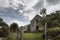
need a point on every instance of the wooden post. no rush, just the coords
(21, 37)
(45, 31)
(17, 34)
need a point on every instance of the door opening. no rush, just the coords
(37, 27)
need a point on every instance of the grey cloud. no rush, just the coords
(39, 5)
(12, 14)
(53, 2)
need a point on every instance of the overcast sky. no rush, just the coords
(22, 11)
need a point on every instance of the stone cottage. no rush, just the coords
(35, 24)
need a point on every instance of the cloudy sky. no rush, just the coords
(22, 11)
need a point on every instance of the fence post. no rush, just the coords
(17, 34)
(21, 33)
(45, 31)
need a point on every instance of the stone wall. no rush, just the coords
(34, 24)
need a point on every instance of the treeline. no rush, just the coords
(52, 20)
(5, 29)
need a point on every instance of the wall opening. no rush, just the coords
(37, 27)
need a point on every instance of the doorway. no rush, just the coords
(37, 27)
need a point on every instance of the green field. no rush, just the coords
(26, 36)
(12, 36)
(54, 28)
(29, 36)
(33, 36)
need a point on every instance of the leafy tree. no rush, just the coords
(4, 28)
(3, 23)
(13, 27)
(1, 19)
(43, 13)
(53, 19)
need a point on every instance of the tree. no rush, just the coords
(13, 27)
(4, 28)
(1, 19)
(43, 13)
(53, 20)
(3, 23)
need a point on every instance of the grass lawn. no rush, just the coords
(13, 36)
(54, 28)
(26, 36)
(33, 36)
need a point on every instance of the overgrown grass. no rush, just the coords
(33, 36)
(26, 36)
(13, 36)
(54, 32)
(54, 28)
(30, 36)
